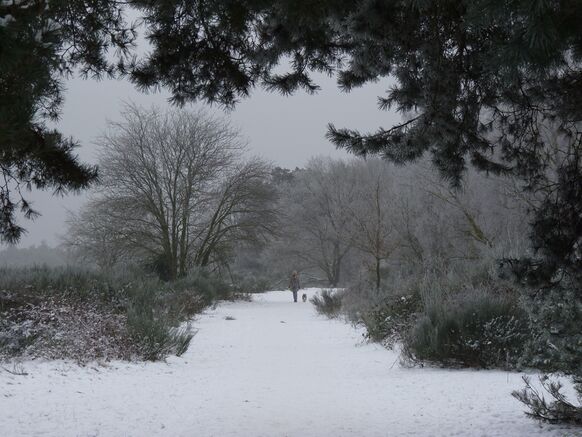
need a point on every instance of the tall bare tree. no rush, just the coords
(373, 230)
(176, 190)
(243, 211)
(317, 219)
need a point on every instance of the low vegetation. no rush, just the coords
(83, 315)
(447, 318)
(328, 302)
(476, 329)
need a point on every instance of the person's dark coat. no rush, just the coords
(294, 283)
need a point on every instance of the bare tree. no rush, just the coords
(355, 218)
(243, 211)
(341, 215)
(94, 236)
(373, 212)
(317, 220)
(175, 190)
(481, 217)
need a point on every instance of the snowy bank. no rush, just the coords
(265, 368)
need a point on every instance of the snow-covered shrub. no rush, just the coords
(155, 314)
(57, 327)
(83, 315)
(388, 314)
(477, 329)
(17, 336)
(155, 334)
(328, 302)
(186, 301)
(388, 322)
(73, 283)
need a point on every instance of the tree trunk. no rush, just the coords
(172, 268)
(378, 279)
(334, 275)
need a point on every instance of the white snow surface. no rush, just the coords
(278, 369)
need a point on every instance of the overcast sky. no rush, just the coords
(287, 131)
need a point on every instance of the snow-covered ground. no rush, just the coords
(277, 369)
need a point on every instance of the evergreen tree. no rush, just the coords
(41, 42)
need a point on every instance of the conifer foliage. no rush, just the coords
(476, 78)
(41, 42)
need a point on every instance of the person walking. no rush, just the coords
(294, 285)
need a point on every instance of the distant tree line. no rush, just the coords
(343, 220)
(36, 255)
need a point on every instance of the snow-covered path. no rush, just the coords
(278, 369)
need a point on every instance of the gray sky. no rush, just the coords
(284, 130)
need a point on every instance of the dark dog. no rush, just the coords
(304, 297)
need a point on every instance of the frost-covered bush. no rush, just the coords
(328, 302)
(461, 315)
(60, 328)
(155, 315)
(186, 302)
(386, 313)
(476, 329)
(389, 314)
(389, 321)
(155, 335)
(16, 336)
(84, 315)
